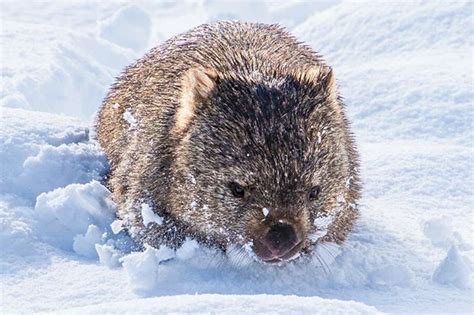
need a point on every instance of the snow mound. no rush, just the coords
(230, 304)
(75, 217)
(453, 270)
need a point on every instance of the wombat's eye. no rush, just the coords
(314, 193)
(237, 190)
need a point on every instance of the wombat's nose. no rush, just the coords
(280, 239)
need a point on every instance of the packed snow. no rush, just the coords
(149, 216)
(406, 73)
(128, 117)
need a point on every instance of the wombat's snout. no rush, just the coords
(280, 242)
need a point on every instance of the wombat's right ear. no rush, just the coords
(324, 77)
(196, 86)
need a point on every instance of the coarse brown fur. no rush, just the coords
(230, 102)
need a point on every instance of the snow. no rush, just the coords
(144, 268)
(85, 245)
(74, 210)
(108, 255)
(406, 73)
(187, 250)
(117, 226)
(149, 216)
(128, 117)
(129, 27)
(392, 275)
(453, 270)
(229, 304)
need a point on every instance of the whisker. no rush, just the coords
(323, 246)
(321, 263)
(328, 267)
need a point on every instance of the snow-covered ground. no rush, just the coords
(406, 73)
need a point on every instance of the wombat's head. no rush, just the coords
(260, 161)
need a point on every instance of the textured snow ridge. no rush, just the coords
(230, 304)
(405, 71)
(41, 152)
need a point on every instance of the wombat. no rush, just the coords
(232, 134)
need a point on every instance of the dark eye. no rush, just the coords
(237, 190)
(314, 193)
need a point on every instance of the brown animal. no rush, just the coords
(233, 134)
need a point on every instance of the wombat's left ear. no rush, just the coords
(199, 82)
(196, 85)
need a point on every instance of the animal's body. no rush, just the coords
(234, 134)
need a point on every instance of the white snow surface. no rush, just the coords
(405, 70)
(229, 304)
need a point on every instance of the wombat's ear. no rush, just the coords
(323, 77)
(197, 84)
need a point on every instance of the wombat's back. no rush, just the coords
(149, 89)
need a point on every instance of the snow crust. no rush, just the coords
(406, 73)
